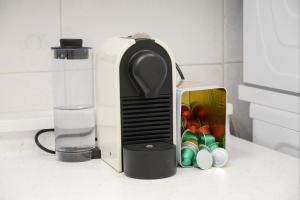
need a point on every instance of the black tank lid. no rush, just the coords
(71, 49)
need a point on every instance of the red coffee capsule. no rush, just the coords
(200, 112)
(193, 126)
(185, 116)
(204, 129)
(185, 112)
(218, 130)
(184, 108)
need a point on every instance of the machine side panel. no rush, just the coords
(108, 100)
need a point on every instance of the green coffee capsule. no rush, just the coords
(213, 146)
(189, 150)
(207, 139)
(187, 135)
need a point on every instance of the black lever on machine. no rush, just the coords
(148, 71)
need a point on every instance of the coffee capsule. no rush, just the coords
(220, 157)
(189, 150)
(204, 130)
(218, 130)
(193, 126)
(185, 116)
(200, 112)
(182, 126)
(184, 108)
(187, 135)
(204, 159)
(186, 113)
(213, 146)
(207, 139)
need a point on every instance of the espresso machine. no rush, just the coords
(135, 103)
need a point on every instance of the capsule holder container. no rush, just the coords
(212, 99)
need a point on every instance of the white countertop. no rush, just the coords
(253, 172)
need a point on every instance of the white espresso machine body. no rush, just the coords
(108, 96)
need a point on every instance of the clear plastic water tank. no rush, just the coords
(74, 112)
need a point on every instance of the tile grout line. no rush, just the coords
(25, 72)
(233, 62)
(198, 64)
(217, 63)
(181, 65)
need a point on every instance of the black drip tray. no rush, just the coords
(149, 160)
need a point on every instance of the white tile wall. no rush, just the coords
(21, 92)
(193, 29)
(205, 36)
(212, 74)
(28, 28)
